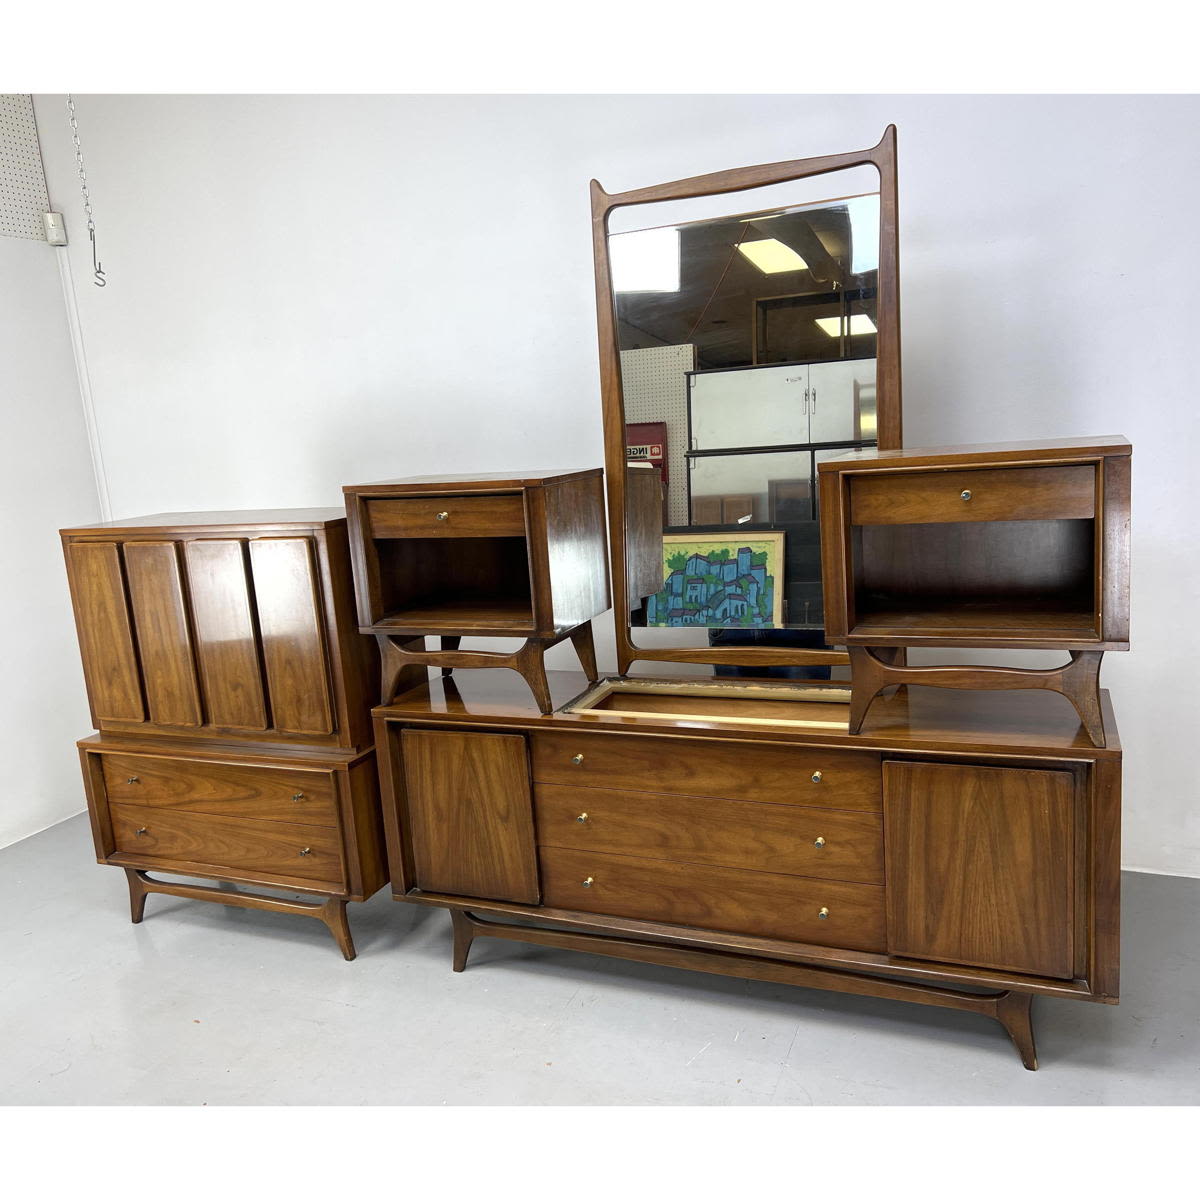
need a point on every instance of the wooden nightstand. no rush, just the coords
(1013, 546)
(484, 556)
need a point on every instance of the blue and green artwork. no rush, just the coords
(719, 583)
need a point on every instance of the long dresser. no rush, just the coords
(963, 852)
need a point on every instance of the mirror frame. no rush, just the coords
(883, 158)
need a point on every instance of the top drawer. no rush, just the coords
(1000, 494)
(448, 517)
(230, 789)
(762, 771)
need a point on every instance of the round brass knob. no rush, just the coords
(588, 882)
(297, 797)
(823, 915)
(442, 516)
(133, 779)
(582, 818)
(819, 843)
(817, 777)
(964, 494)
(577, 759)
(306, 850)
(141, 831)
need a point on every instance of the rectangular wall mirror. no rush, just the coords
(749, 328)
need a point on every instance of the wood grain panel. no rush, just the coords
(819, 843)
(293, 643)
(229, 789)
(576, 549)
(303, 851)
(999, 494)
(770, 773)
(164, 639)
(226, 642)
(470, 814)
(752, 902)
(105, 634)
(981, 865)
(466, 516)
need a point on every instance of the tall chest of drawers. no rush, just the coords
(966, 855)
(230, 688)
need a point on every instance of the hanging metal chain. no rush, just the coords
(97, 271)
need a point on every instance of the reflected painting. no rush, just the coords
(722, 582)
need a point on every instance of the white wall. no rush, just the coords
(306, 292)
(46, 482)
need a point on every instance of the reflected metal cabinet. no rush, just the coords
(232, 694)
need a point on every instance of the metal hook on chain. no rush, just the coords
(98, 276)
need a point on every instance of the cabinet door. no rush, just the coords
(470, 814)
(749, 406)
(981, 866)
(838, 395)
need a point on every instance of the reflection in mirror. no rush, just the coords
(748, 353)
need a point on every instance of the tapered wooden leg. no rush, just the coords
(585, 647)
(450, 642)
(137, 895)
(333, 913)
(397, 671)
(866, 680)
(1014, 1010)
(530, 660)
(1080, 683)
(464, 935)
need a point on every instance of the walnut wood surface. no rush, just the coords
(222, 788)
(997, 494)
(814, 842)
(105, 633)
(470, 814)
(644, 534)
(305, 851)
(772, 774)
(754, 902)
(479, 481)
(164, 638)
(465, 516)
(977, 453)
(980, 865)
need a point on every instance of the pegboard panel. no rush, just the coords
(655, 388)
(23, 196)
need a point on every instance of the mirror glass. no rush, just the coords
(748, 354)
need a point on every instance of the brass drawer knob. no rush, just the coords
(577, 759)
(964, 494)
(297, 797)
(817, 776)
(588, 881)
(582, 818)
(442, 516)
(141, 832)
(823, 915)
(820, 843)
(133, 779)
(306, 850)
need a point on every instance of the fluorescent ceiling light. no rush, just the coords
(860, 323)
(771, 256)
(646, 260)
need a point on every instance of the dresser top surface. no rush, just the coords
(481, 481)
(234, 519)
(979, 454)
(920, 719)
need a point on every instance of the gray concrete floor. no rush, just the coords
(203, 1004)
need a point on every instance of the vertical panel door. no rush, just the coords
(470, 814)
(981, 865)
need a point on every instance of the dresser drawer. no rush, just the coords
(999, 494)
(255, 847)
(221, 788)
(447, 517)
(761, 771)
(818, 843)
(717, 898)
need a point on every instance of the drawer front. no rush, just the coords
(448, 516)
(255, 847)
(818, 843)
(751, 902)
(1004, 494)
(224, 789)
(761, 771)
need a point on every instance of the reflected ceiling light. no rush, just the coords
(646, 260)
(771, 256)
(860, 323)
